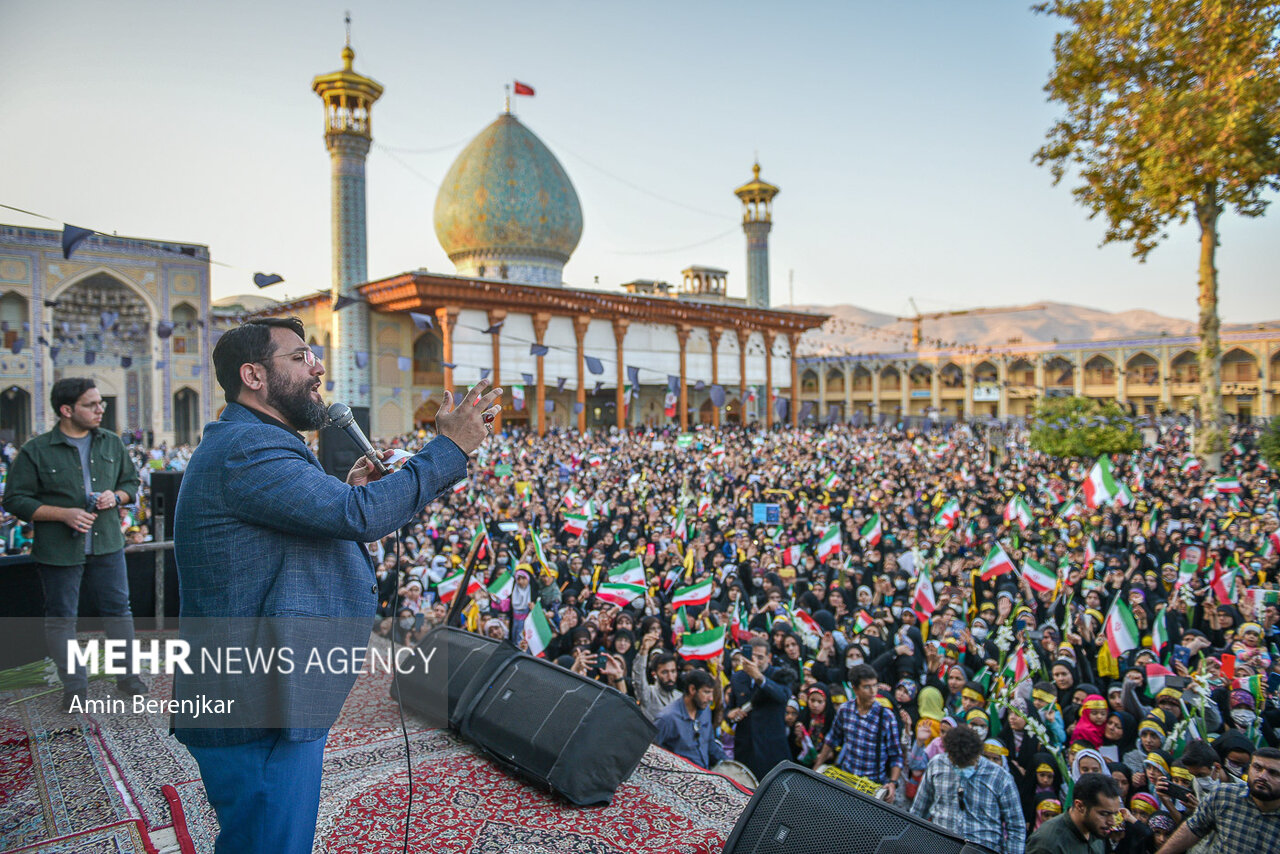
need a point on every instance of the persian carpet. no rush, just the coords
(464, 804)
(125, 837)
(56, 781)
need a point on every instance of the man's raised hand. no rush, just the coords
(469, 421)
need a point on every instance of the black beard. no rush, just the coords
(294, 402)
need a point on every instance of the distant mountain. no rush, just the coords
(853, 329)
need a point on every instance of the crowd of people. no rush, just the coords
(980, 633)
(898, 605)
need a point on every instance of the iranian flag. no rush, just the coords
(500, 589)
(704, 504)
(830, 542)
(694, 594)
(870, 533)
(628, 572)
(808, 627)
(948, 515)
(1227, 484)
(570, 498)
(460, 486)
(1100, 487)
(576, 524)
(621, 595)
(1224, 579)
(717, 450)
(861, 621)
(1186, 571)
(831, 481)
(1160, 632)
(924, 600)
(1039, 576)
(1124, 496)
(681, 625)
(540, 554)
(971, 533)
(741, 619)
(1190, 464)
(1017, 510)
(1090, 550)
(537, 632)
(702, 646)
(480, 542)
(1156, 676)
(996, 564)
(1015, 668)
(447, 588)
(1071, 508)
(680, 530)
(791, 555)
(1120, 629)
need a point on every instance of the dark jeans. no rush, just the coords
(109, 583)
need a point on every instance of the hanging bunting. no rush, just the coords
(422, 321)
(264, 280)
(593, 365)
(538, 349)
(362, 359)
(126, 361)
(560, 381)
(404, 363)
(528, 378)
(72, 237)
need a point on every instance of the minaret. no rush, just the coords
(347, 98)
(757, 219)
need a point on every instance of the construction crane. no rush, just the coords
(937, 315)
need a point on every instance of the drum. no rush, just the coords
(737, 772)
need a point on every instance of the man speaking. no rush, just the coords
(263, 538)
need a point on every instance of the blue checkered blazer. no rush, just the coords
(269, 551)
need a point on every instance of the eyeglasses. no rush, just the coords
(697, 728)
(960, 797)
(308, 356)
(100, 406)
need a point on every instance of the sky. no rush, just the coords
(901, 135)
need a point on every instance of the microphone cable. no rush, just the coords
(395, 682)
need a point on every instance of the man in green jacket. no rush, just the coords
(68, 482)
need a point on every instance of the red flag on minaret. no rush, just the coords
(524, 89)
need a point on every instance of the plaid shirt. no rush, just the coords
(991, 813)
(1240, 825)
(870, 741)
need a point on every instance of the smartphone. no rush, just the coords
(1181, 653)
(1019, 624)
(1178, 793)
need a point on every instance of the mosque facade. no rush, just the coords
(508, 217)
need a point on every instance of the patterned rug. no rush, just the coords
(466, 805)
(54, 777)
(125, 837)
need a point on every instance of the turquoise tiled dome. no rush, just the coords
(507, 195)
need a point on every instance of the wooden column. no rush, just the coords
(768, 379)
(540, 321)
(744, 337)
(580, 324)
(620, 402)
(715, 332)
(793, 338)
(446, 319)
(682, 336)
(497, 315)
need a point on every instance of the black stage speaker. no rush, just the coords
(164, 499)
(575, 735)
(336, 452)
(797, 810)
(460, 665)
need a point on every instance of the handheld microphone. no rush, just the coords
(340, 416)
